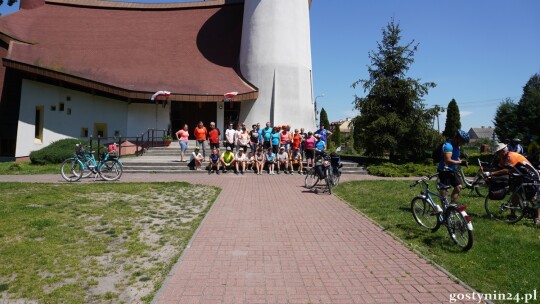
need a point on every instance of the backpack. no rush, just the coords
(437, 154)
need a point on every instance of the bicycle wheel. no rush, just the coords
(480, 186)
(329, 184)
(509, 210)
(110, 170)
(335, 177)
(311, 179)
(457, 229)
(71, 169)
(425, 214)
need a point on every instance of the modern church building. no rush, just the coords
(80, 68)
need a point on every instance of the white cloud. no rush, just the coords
(465, 113)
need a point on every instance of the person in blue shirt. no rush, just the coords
(275, 137)
(323, 133)
(447, 167)
(266, 134)
(514, 146)
(320, 145)
(270, 160)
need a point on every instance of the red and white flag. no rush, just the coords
(230, 95)
(160, 93)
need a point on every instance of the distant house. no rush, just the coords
(481, 133)
(345, 126)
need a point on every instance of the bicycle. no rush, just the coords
(320, 171)
(73, 169)
(478, 182)
(430, 215)
(523, 201)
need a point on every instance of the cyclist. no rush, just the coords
(451, 151)
(515, 162)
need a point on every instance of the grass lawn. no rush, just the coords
(27, 168)
(89, 243)
(504, 258)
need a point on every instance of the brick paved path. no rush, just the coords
(268, 240)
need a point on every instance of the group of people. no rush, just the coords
(510, 161)
(273, 148)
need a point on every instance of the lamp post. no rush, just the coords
(316, 111)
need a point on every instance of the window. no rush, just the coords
(53, 108)
(38, 125)
(100, 129)
(61, 106)
(84, 132)
(68, 111)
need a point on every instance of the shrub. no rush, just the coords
(56, 152)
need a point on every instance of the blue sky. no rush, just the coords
(478, 52)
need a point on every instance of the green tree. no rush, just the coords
(528, 107)
(393, 119)
(506, 120)
(323, 119)
(336, 136)
(453, 122)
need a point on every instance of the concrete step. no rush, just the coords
(167, 160)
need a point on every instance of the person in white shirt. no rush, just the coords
(230, 137)
(195, 160)
(241, 161)
(283, 160)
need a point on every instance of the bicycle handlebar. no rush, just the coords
(423, 180)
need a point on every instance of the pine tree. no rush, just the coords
(506, 120)
(453, 122)
(336, 136)
(393, 119)
(323, 119)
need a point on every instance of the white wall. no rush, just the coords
(275, 56)
(86, 109)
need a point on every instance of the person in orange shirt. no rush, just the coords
(213, 136)
(201, 134)
(514, 162)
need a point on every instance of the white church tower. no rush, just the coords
(275, 56)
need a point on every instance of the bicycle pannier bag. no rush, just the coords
(498, 187)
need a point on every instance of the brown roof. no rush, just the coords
(132, 49)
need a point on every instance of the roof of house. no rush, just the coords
(481, 132)
(132, 50)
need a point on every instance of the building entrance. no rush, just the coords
(191, 113)
(231, 114)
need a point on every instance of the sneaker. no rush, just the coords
(236, 173)
(278, 172)
(217, 172)
(242, 172)
(209, 172)
(225, 171)
(291, 173)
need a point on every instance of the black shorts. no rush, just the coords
(310, 154)
(449, 178)
(214, 145)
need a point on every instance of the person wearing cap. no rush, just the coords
(240, 161)
(513, 162)
(195, 160)
(514, 146)
(320, 146)
(227, 159)
(283, 160)
(214, 162)
(447, 168)
(309, 146)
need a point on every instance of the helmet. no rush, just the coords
(464, 135)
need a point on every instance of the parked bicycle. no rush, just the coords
(84, 164)
(321, 171)
(521, 203)
(430, 215)
(478, 182)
